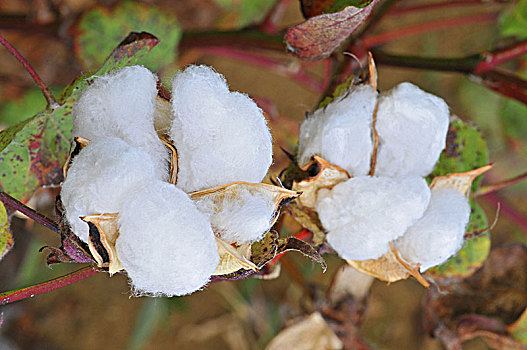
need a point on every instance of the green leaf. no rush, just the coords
(33, 152)
(514, 23)
(240, 14)
(101, 29)
(465, 150)
(518, 329)
(312, 8)
(6, 239)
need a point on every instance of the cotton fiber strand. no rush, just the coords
(243, 218)
(439, 233)
(99, 177)
(412, 127)
(220, 136)
(122, 105)
(363, 214)
(165, 244)
(341, 132)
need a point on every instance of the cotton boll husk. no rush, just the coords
(165, 244)
(220, 136)
(122, 105)
(98, 178)
(439, 233)
(341, 132)
(243, 218)
(364, 214)
(412, 127)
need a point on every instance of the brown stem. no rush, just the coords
(483, 190)
(490, 60)
(63, 281)
(48, 95)
(27, 211)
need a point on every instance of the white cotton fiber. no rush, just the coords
(165, 244)
(122, 105)
(98, 178)
(363, 214)
(412, 127)
(242, 218)
(439, 233)
(220, 136)
(341, 132)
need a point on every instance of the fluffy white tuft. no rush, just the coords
(363, 214)
(122, 105)
(220, 136)
(243, 218)
(412, 126)
(439, 233)
(165, 244)
(341, 132)
(98, 178)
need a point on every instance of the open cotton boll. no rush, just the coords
(439, 233)
(242, 218)
(98, 178)
(341, 132)
(165, 244)
(412, 127)
(220, 136)
(122, 105)
(363, 214)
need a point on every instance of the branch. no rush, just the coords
(451, 22)
(27, 211)
(37, 289)
(48, 95)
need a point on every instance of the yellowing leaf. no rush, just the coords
(103, 235)
(6, 240)
(311, 333)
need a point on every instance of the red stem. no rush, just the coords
(293, 71)
(382, 38)
(52, 103)
(63, 281)
(30, 213)
(433, 6)
(492, 59)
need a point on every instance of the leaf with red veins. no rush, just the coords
(318, 37)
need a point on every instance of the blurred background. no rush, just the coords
(64, 38)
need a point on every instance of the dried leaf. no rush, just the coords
(163, 117)
(319, 36)
(78, 144)
(174, 169)
(325, 175)
(72, 246)
(232, 195)
(459, 181)
(233, 258)
(103, 235)
(311, 8)
(311, 333)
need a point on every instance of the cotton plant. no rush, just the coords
(365, 157)
(169, 191)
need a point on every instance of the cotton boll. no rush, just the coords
(98, 178)
(122, 105)
(165, 244)
(439, 233)
(363, 214)
(242, 218)
(341, 132)
(412, 127)
(220, 136)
